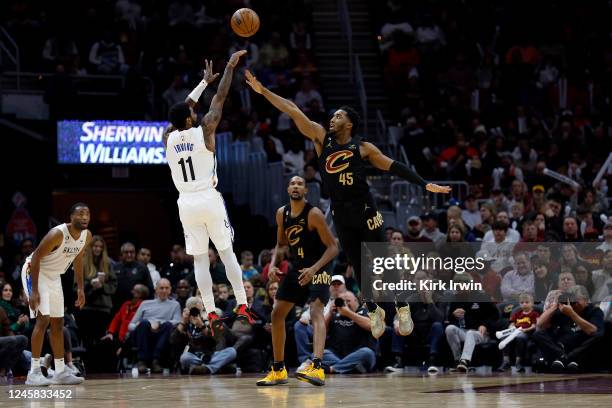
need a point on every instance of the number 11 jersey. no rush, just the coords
(193, 166)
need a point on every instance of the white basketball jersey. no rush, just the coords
(58, 261)
(193, 166)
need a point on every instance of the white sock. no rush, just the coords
(201, 266)
(59, 365)
(35, 364)
(234, 274)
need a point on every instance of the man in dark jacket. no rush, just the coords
(11, 346)
(129, 272)
(472, 317)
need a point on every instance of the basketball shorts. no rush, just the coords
(290, 289)
(50, 291)
(204, 216)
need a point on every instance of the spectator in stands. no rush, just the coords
(11, 346)
(570, 257)
(517, 210)
(100, 284)
(274, 53)
(19, 321)
(518, 281)
(530, 232)
(397, 238)
(217, 269)
(349, 346)
(305, 67)
(183, 292)
(413, 231)
(306, 94)
(299, 38)
(501, 248)
(571, 232)
(202, 353)
(106, 55)
(544, 280)
(180, 13)
(583, 275)
(293, 159)
(602, 278)
(252, 57)
(452, 160)
(471, 215)
(281, 263)
(129, 273)
(179, 267)
(223, 294)
(431, 230)
(429, 35)
(538, 198)
(118, 328)
(428, 316)
(487, 216)
(246, 264)
(512, 234)
(524, 320)
(144, 257)
(26, 247)
(519, 194)
(59, 49)
(569, 329)
(176, 92)
(472, 320)
(152, 324)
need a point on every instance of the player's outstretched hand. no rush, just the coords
(434, 188)
(209, 76)
(233, 61)
(253, 82)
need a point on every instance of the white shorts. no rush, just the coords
(50, 290)
(204, 216)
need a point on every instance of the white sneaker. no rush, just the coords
(504, 333)
(73, 369)
(65, 377)
(377, 322)
(406, 325)
(37, 379)
(305, 364)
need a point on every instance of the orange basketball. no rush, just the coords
(245, 22)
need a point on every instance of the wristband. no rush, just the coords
(197, 91)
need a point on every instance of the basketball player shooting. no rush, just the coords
(190, 151)
(302, 227)
(41, 278)
(343, 156)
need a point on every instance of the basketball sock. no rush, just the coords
(201, 266)
(35, 364)
(316, 362)
(59, 365)
(278, 365)
(234, 274)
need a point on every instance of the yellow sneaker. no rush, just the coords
(274, 378)
(312, 375)
(377, 322)
(406, 325)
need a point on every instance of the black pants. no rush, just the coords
(11, 349)
(356, 223)
(152, 345)
(570, 346)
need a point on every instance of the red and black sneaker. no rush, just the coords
(216, 325)
(243, 313)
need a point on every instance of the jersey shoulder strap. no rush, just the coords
(286, 215)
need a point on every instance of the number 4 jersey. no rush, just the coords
(193, 166)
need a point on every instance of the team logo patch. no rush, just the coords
(352, 147)
(330, 163)
(291, 233)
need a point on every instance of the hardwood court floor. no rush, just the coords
(541, 391)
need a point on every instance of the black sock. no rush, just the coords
(278, 365)
(371, 306)
(316, 362)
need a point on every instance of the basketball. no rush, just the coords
(245, 22)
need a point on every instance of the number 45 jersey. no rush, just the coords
(193, 166)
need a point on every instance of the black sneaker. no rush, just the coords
(398, 367)
(504, 367)
(462, 367)
(198, 370)
(557, 366)
(573, 367)
(520, 368)
(432, 367)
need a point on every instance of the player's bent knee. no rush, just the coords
(42, 321)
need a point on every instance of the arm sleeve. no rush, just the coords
(405, 172)
(136, 318)
(114, 325)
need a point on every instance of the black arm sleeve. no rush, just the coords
(403, 171)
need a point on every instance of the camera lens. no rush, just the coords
(339, 302)
(194, 311)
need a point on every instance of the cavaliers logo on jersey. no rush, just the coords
(331, 163)
(292, 234)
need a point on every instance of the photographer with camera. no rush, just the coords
(203, 354)
(350, 345)
(569, 329)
